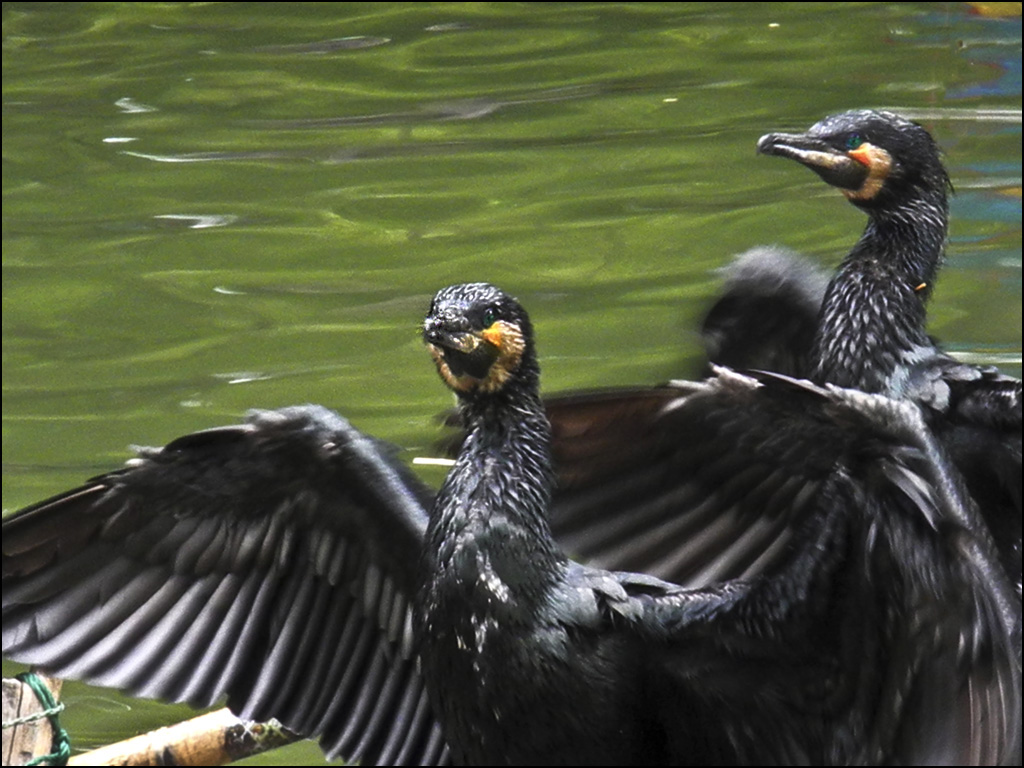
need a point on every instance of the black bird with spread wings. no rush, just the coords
(293, 564)
(869, 332)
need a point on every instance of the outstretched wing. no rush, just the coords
(271, 561)
(976, 412)
(660, 480)
(887, 634)
(766, 318)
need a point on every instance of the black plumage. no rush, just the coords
(870, 330)
(766, 316)
(293, 563)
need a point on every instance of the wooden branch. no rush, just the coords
(34, 737)
(216, 738)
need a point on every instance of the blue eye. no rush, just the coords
(853, 141)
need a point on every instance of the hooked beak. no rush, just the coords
(835, 167)
(464, 352)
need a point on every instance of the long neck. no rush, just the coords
(872, 322)
(489, 545)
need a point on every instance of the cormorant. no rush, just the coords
(295, 565)
(870, 330)
(766, 316)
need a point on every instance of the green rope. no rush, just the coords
(51, 710)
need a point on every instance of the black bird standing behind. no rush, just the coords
(767, 315)
(870, 331)
(295, 565)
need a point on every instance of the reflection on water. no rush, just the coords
(209, 207)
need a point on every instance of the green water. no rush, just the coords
(212, 207)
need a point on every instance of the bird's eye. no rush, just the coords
(490, 316)
(854, 140)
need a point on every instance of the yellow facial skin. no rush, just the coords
(878, 162)
(506, 345)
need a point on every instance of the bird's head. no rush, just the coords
(480, 339)
(877, 159)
